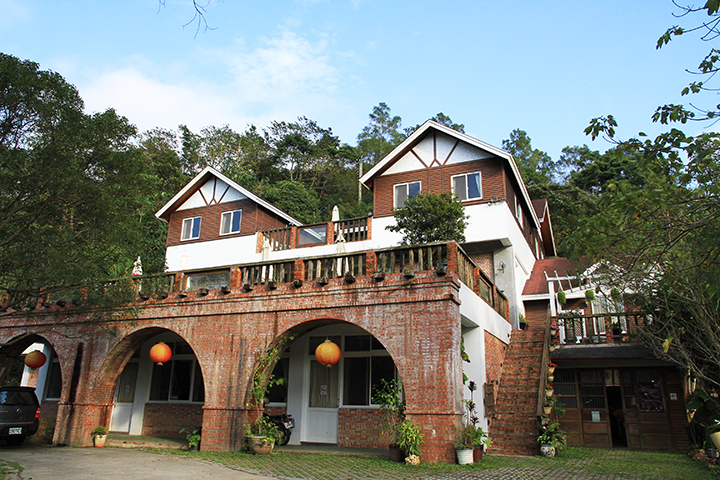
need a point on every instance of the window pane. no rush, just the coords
(312, 235)
(225, 223)
(198, 386)
(413, 189)
(382, 368)
(160, 384)
(54, 386)
(473, 185)
(357, 343)
(356, 381)
(236, 216)
(182, 371)
(278, 392)
(459, 187)
(187, 228)
(208, 280)
(400, 195)
(196, 227)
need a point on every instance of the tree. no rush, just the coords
(442, 119)
(431, 217)
(69, 190)
(380, 136)
(536, 167)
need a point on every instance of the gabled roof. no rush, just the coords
(422, 131)
(200, 179)
(542, 210)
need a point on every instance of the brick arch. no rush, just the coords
(13, 348)
(304, 326)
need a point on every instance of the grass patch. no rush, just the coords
(9, 470)
(571, 463)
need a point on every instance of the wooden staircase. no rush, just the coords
(514, 424)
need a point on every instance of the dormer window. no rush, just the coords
(230, 222)
(467, 186)
(403, 191)
(191, 228)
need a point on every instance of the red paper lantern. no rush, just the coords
(327, 353)
(160, 353)
(35, 359)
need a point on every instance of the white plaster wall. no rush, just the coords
(475, 370)
(42, 371)
(213, 253)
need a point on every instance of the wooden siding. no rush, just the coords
(253, 219)
(438, 179)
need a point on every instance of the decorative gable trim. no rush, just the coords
(211, 187)
(421, 149)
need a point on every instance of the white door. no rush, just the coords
(321, 425)
(124, 397)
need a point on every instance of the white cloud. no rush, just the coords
(284, 77)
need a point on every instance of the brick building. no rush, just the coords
(246, 282)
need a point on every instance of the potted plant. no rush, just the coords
(471, 436)
(193, 438)
(553, 329)
(388, 394)
(408, 439)
(548, 390)
(523, 322)
(99, 435)
(547, 406)
(551, 368)
(261, 436)
(551, 439)
(589, 296)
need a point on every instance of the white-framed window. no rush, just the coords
(191, 228)
(403, 191)
(53, 385)
(179, 379)
(518, 211)
(467, 186)
(230, 222)
(366, 363)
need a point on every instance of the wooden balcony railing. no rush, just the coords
(407, 260)
(353, 230)
(599, 327)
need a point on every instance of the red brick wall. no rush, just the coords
(494, 358)
(486, 262)
(361, 428)
(48, 415)
(167, 419)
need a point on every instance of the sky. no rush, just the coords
(546, 67)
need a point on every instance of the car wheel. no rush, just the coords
(15, 441)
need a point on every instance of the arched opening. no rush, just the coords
(150, 399)
(332, 405)
(46, 379)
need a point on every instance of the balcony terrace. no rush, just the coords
(442, 258)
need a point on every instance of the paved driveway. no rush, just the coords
(39, 462)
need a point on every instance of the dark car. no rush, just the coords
(19, 414)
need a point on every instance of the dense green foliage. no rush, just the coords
(431, 217)
(72, 195)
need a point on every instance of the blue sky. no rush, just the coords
(545, 67)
